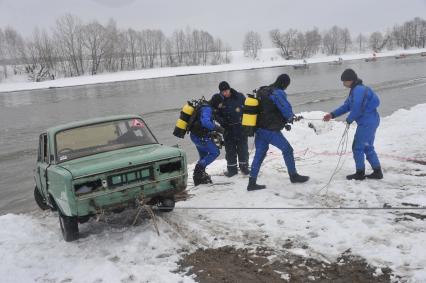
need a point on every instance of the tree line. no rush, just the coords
(74, 48)
(297, 44)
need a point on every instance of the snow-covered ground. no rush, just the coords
(32, 248)
(267, 58)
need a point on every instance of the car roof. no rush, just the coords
(77, 124)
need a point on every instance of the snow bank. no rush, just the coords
(32, 248)
(267, 58)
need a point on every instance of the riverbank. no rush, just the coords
(268, 58)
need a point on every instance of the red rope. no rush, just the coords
(327, 153)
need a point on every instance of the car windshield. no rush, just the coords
(102, 137)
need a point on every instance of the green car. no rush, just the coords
(105, 164)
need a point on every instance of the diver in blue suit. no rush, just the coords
(275, 112)
(361, 103)
(201, 130)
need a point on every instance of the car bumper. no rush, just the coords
(129, 196)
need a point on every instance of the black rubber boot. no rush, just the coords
(359, 175)
(377, 174)
(232, 171)
(252, 186)
(206, 177)
(296, 178)
(244, 169)
(198, 175)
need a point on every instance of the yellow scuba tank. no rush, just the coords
(250, 112)
(182, 122)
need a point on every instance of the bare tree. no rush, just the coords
(192, 47)
(275, 36)
(111, 63)
(376, 40)
(313, 41)
(161, 38)
(361, 41)
(419, 32)
(3, 54)
(168, 47)
(252, 44)
(228, 56)
(69, 36)
(398, 36)
(75, 48)
(410, 34)
(346, 39)
(132, 38)
(336, 40)
(390, 41)
(300, 45)
(283, 41)
(41, 57)
(306, 44)
(422, 37)
(48, 52)
(141, 49)
(121, 52)
(14, 47)
(14, 44)
(217, 52)
(206, 44)
(151, 43)
(96, 42)
(178, 39)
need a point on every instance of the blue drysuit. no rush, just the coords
(362, 104)
(207, 149)
(270, 133)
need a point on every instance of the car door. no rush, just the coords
(42, 165)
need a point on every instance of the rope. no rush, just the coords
(293, 208)
(100, 215)
(148, 209)
(341, 150)
(319, 119)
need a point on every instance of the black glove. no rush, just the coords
(219, 129)
(287, 127)
(297, 118)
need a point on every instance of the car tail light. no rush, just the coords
(171, 167)
(87, 187)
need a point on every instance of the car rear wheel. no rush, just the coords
(69, 227)
(40, 200)
(166, 204)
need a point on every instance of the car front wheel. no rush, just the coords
(69, 227)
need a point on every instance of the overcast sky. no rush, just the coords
(227, 19)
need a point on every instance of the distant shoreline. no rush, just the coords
(266, 60)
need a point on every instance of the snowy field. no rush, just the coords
(266, 58)
(111, 250)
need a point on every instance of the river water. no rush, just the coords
(24, 115)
